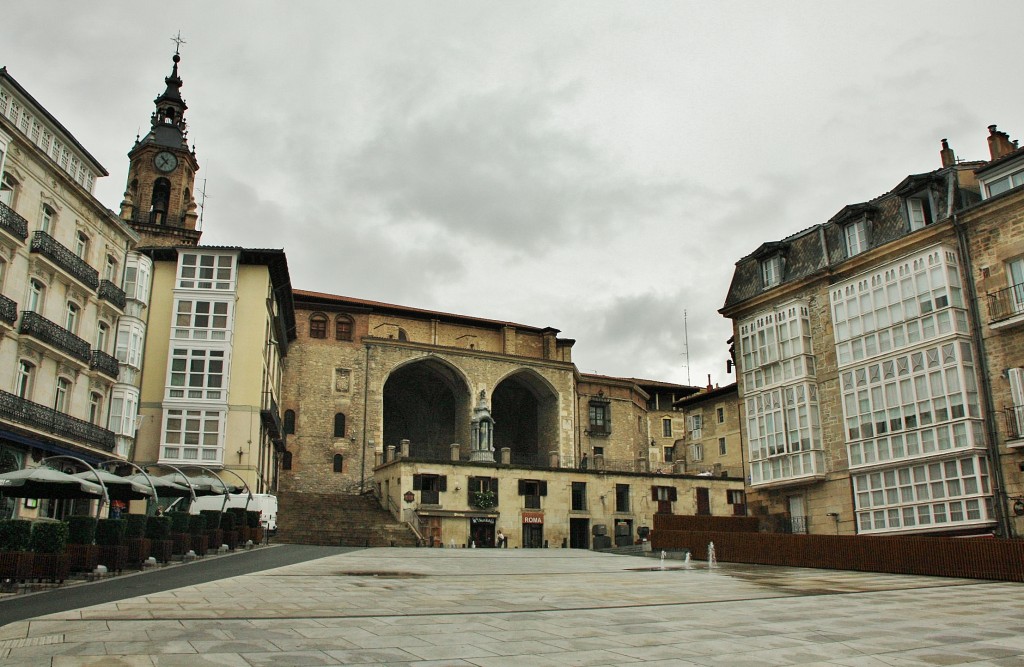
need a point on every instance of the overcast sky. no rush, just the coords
(597, 167)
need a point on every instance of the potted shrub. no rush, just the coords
(214, 533)
(49, 538)
(197, 529)
(230, 529)
(180, 532)
(110, 539)
(158, 532)
(139, 546)
(82, 550)
(241, 526)
(15, 557)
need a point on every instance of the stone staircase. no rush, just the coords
(338, 520)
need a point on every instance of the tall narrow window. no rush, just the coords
(622, 497)
(318, 326)
(286, 461)
(95, 407)
(855, 235)
(36, 293)
(919, 212)
(81, 245)
(771, 272)
(62, 395)
(7, 189)
(159, 203)
(579, 495)
(339, 425)
(23, 383)
(289, 421)
(46, 220)
(666, 427)
(110, 269)
(339, 463)
(343, 328)
(71, 317)
(102, 336)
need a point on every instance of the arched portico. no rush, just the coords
(427, 401)
(525, 410)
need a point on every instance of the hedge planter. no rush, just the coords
(162, 550)
(114, 557)
(16, 565)
(15, 535)
(139, 549)
(83, 557)
(158, 528)
(182, 543)
(81, 530)
(259, 534)
(231, 539)
(215, 538)
(200, 544)
(49, 537)
(110, 532)
(51, 567)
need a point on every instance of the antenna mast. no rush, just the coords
(202, 205)
(686, 347)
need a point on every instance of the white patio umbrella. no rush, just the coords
(119, 488)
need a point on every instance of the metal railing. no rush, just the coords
(13, 223)
(23, 411)
(49, 247)
(111, 293)
(8, 309)
(35, 325)
(1006, 303)
(271, 418)
(1014, 422)
(104, 363)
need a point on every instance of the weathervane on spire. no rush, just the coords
(178, 41)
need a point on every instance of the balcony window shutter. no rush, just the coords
(543, 488)
(443, 483)
(672, 493)
(494, 487)
(654, 493)
(417, 483)
(522, 487)
(471, 489)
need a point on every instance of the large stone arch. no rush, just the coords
(427, 401)
(525, 410)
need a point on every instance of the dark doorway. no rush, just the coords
(481, 531)
(426, 403)
(579, 533)
(533, 535)
(525, 412)
(703, 501)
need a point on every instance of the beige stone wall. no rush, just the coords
(325, 376)
(996, 233)
(629, 438)
(394, 479)
(721, 419)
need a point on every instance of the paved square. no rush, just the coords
(522, 608)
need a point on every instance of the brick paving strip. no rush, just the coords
(543, 607)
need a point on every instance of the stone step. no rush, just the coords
(338, 520)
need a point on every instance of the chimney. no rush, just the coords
(999, 143)
(947, 155)
(710, 387)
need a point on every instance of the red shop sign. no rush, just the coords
(533, 517)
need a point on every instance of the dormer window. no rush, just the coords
(919, 211)
(1003, 182)
(855, 236)
(771, 271)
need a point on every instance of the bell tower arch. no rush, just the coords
(158, 200)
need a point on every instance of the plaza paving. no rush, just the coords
(523, 608)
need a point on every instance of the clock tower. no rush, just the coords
(158, 202)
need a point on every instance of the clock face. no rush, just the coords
(165, 161)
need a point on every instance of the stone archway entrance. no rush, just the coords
(525, 411)
(428, 403)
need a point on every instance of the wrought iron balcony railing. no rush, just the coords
(271, 417)
(8, 310)
(35, 325)
(104, 363)
(1006, 303)
(1014, 422)
(13, 223)
(16, 409)
(79, 269)
(110, 292)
